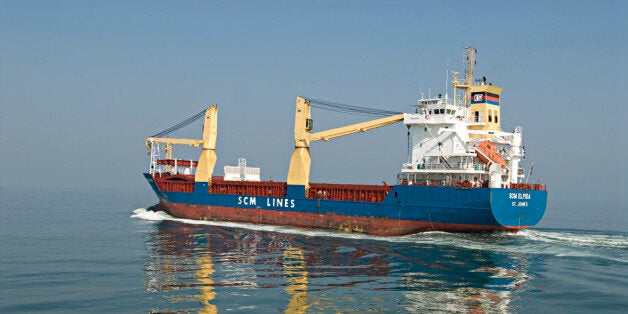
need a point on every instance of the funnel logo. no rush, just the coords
(485, 97)
(477, 98)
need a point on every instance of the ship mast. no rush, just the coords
(466, 84)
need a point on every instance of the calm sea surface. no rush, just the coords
(87, 251)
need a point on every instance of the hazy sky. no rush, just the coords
(82, 83)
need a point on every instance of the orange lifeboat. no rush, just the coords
(487, 152)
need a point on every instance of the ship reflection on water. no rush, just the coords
(210, 269)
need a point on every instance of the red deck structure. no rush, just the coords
(340, 192)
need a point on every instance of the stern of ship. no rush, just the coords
(518, 209)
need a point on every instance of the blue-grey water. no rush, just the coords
(92, 251)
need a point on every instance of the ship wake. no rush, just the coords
(559, 243)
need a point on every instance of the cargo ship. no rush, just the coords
(463, 173)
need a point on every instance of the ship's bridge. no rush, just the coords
(441, 110)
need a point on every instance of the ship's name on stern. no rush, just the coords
(519, 196)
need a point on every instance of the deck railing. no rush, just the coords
(340, 192)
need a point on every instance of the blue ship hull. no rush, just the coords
(405, 210)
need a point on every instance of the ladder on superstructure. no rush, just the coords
(154, 156)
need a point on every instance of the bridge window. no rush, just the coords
(477, 116)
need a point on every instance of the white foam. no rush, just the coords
(428, 237)
(537, 242)
(143, 213)
(577, 239)
(150, 215)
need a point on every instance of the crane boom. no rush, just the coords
(167, 140)
(355, 128)
(299, 171)
(207, 159)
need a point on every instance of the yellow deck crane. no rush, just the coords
(299, 171)
(207, 160)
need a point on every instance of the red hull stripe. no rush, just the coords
(369, 225)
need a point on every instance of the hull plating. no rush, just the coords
(405, 210)
(370, 225)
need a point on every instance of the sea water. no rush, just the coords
(91, 250)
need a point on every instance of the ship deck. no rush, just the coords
(341, 192)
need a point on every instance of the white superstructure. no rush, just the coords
(459, 142)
